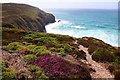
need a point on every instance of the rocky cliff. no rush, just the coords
(25, 17)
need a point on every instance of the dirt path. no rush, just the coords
(101, 72)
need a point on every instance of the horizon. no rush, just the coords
(73, 4)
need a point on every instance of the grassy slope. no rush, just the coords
(25, 17)
(64, 45)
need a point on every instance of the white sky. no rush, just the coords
(46, 4)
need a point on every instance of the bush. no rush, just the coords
(117, 60)
(56, 67)
(8, 74)
(31, 47)
(30, 58)
(67, 48)
(53, 49)
(40, 50)
(117, 74)
(14, 46)
(103, 55)
(26, 43)
(39, 74)
(33, 68)
(45, 40)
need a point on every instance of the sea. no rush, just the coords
(97, 23)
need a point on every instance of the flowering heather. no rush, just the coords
(56, 67)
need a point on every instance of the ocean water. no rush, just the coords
(101, 24)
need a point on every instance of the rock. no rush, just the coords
(25, 17)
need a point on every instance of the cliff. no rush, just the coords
(25, 17)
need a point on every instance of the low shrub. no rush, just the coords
(38, 73)
(14, 46)
(56, 67)
(67, 48)
(45, 40)
(26, 43)
(30, 58)
(103, 55)
(31, 47)
(40, 50)
(117, 60)
(8, 74)
(53, 49)
(33, 68)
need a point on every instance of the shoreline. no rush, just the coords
(50, 29)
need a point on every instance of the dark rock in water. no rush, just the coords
(25, 17)
(59, 20)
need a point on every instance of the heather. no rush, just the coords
(58, 68)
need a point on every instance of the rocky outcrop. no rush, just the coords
(25, 17)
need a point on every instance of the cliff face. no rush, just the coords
(25, 17)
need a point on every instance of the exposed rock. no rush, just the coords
(25, 17)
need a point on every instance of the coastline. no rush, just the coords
(53, 28)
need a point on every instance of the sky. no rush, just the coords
(63, 4)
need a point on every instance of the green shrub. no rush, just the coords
(14, 46)
(40, 50)
(44, 52)
(61, 50)
(103, 55)
(33, 68)
(26, 43)
(8, 74)
(53, 49)
(67, 48)
(30, 58)
(28, 38)
(39, 74)
(31, 47)
(117, 60)
(45, 40)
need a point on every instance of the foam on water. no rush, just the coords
(64, 27)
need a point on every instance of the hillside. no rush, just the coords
(29, 54)
(25, 17)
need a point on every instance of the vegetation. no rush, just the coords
(103, 55)
(58, 68)
(37, 72)
(7, 73)
(14, 46)
(30, 58)
(34, 45)
(40, 50)
(115, 69)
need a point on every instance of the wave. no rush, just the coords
(77, 27)
(76, 31)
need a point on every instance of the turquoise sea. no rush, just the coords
(101, 24)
